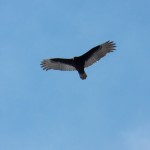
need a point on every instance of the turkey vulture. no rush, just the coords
(80, 62)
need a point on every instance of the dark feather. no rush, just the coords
(97, 53)
(58, 64)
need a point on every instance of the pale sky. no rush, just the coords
(56, 110)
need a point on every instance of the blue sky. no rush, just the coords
(57, 110)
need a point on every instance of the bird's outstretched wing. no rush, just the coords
(97, 53)
(58, 64)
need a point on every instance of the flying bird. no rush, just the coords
(80, 62)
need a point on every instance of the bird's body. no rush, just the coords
(79, 65)
(80, 62)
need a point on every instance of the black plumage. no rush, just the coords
(80, 62)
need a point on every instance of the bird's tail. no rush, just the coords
(83, 76)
